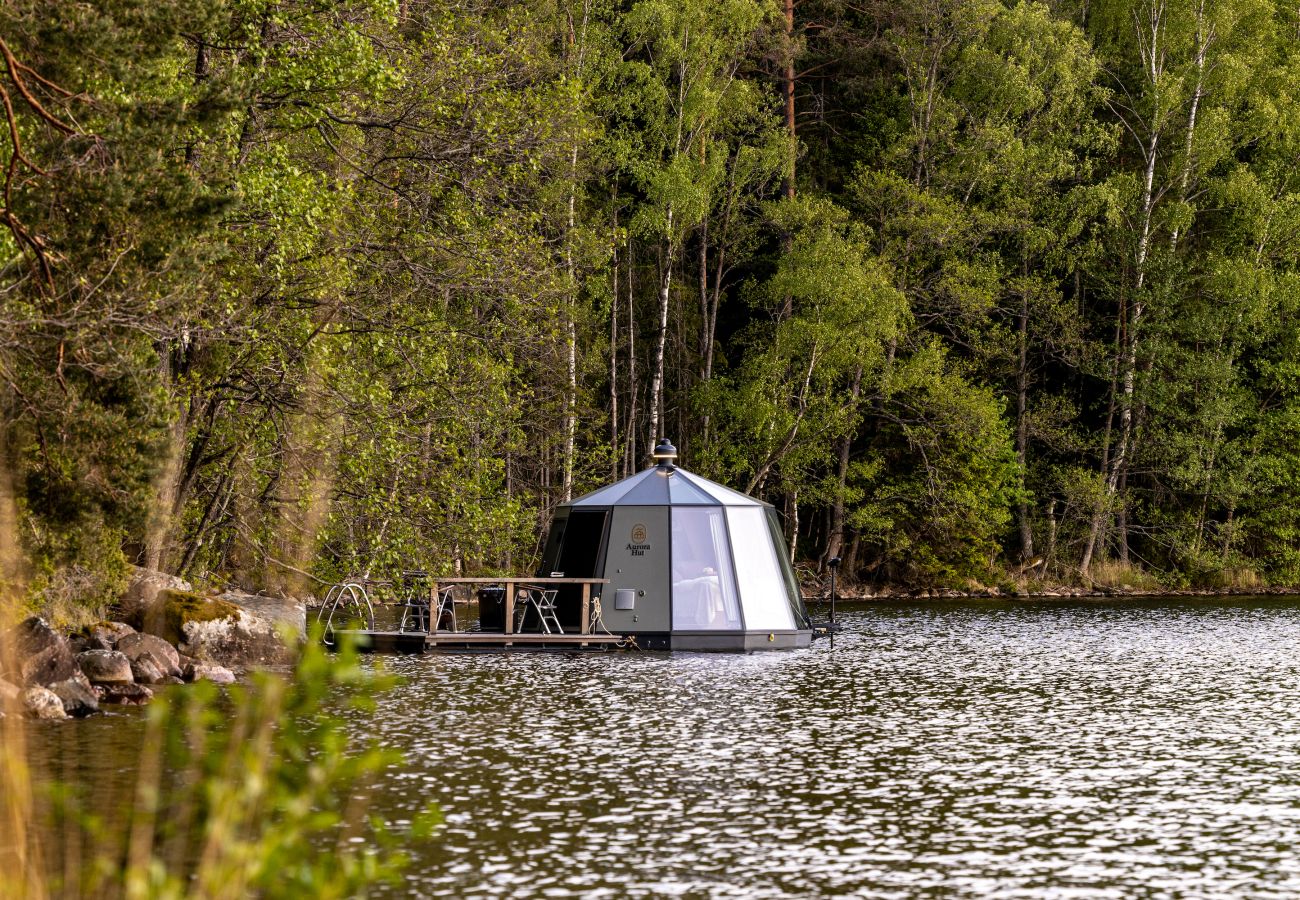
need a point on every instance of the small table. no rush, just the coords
(513, 586)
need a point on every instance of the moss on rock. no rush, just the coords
(172, 610)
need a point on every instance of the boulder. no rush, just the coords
(43, 703)
(105, 666)
(111, 631)
(240, 640)
(125, 694)
(173, 610)
(145, 671)
(82, 641)
(209, 672)
(143, 590)
(41, 655)
(285, 612)
(159, 652)
(77, 696)
(215, 630)
(100, 636)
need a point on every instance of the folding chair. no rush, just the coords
(446, 609)
(414, 593)
(543, 601)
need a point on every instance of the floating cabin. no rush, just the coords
(692, 565)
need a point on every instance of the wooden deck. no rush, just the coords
(454, 641)
(506, 638)
(512, 586)
(379, 641)
(476, 640)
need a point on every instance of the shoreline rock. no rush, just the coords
(217, 630)
(199, 671)
(144, 671)
(124, 694)
(183, 637)
(105, 667)
(279, 612)
(43, 703)
(144, 588)
(155, 651)
(894, 594)
(42, 655)
(77, 696)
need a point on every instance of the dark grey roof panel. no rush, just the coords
(654, 487)
(650, 491)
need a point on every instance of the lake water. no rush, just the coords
(981, 748)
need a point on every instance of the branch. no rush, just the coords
(22, 235)
(15, 75)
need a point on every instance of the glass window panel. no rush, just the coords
(793, 592)
(682, 491)
(704, 592)
(762, 584)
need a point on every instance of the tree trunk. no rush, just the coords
(789, 98)
(849, 568)
(630, 460)
(792, 521)
(704, 338)
(1204, 38)
(657, 379)
(578, 50)
(200, 74)
(835, 539)
(714, 302)
(167, 496)
(1121, 521)
(1099, 509)
(12, 567)
(1124, 444)
(613, 365)
(1022, 426)
(570, 339)
(1153, 59)
(1227, 535)
(169, 489)
(1050, 562)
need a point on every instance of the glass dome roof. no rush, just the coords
(663, 486)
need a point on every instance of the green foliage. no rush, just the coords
(350, 288)
(823, 319)
(121, 216)
(935, 511)
(258, 789)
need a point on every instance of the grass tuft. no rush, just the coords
(1122, 576)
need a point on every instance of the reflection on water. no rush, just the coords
(972, 748)
(965, 748)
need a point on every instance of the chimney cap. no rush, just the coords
(665, 454)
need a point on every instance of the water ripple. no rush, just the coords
(962, 749)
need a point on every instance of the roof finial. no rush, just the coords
(666, 455)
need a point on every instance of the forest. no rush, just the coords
(974, 292)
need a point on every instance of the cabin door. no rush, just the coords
(580, 556)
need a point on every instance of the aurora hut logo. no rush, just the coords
(640, 540)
